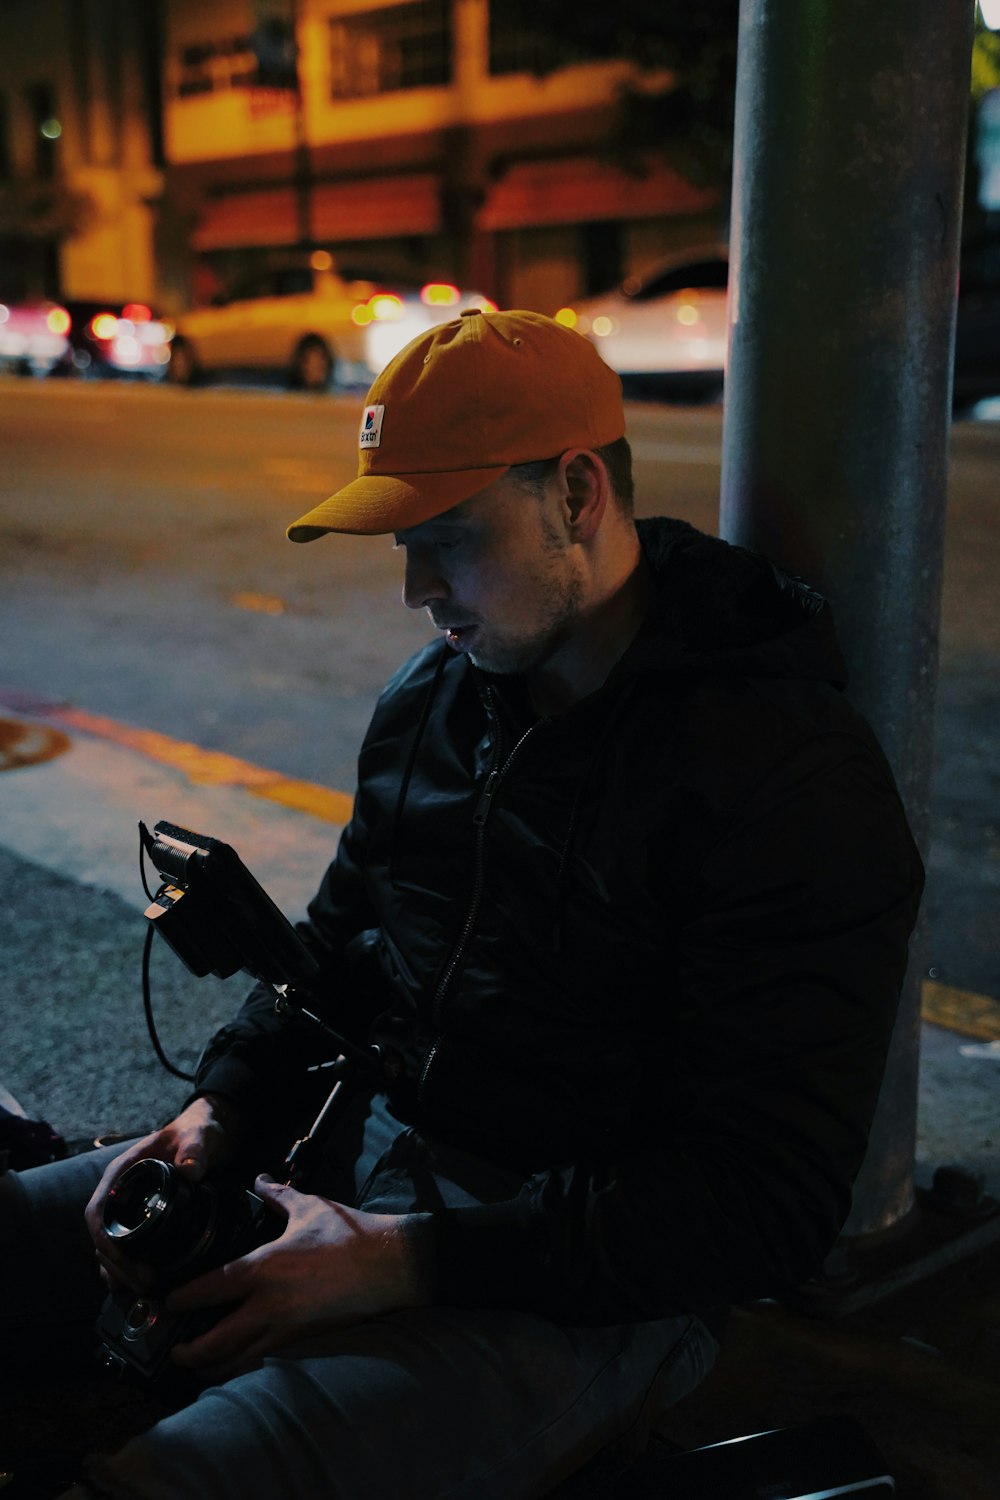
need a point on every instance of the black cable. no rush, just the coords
(147, 1004)
(142, 862)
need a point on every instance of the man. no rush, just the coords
(624, 905)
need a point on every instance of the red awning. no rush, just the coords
(263, 216)
(376, 208)
(367, 209)
(578, 190)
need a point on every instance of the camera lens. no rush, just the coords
(158, 1216)
(139, 1197)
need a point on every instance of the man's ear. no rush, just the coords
(586, 489)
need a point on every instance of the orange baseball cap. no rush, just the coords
(457, 407)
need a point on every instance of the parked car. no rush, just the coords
(668, 326)
(417, 310)
(667, 331)
(307, 321)
(118, 338)
(34, 336)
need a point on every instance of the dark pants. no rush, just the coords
(470, 1404)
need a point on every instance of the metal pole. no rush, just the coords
(850, 138)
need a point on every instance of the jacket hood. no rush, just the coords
(718, 607)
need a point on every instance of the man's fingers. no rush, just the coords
(94, 1212)
(275, 1192)
(237, 1341)
(191, 1162)
(226, 1283)
(117, 1272)
(280, 1195)
(222, 1345)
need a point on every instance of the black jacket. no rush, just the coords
(644, 955)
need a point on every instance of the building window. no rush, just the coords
(401, 47)
(515, 48)
(210, 67)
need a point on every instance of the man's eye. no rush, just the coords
(447, 541)
(438, 542)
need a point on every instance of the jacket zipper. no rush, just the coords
(480, 817)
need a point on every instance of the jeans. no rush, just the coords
(423, 1404)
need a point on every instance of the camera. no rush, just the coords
(217, 919)
(181, 1229)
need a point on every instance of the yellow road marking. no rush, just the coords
(212, 767)
(321, 802)
(261, 604)
(960, 1010)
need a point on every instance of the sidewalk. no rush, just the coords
(76, 1050)
(920, 1370)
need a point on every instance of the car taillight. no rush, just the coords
(103, 326)
(58, 320)
(137, 312)
(381, 307)
(439, 294)
(386, 307)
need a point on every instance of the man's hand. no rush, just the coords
(331, 1266)
(203, 1135)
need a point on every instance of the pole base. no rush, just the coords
(949, 1222)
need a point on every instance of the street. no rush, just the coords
(150, 601)
(146, 574)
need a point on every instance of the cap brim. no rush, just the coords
(378, 503)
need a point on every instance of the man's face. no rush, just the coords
(498, 574)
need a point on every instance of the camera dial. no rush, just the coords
(141, 1318)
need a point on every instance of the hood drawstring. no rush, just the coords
(411, 759)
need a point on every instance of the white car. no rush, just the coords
(436, 302)
(671, 324)
(34, 337)
(308, 322)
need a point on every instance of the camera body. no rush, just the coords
(180, 1229)
(217, 919)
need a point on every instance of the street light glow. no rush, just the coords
(990, 12)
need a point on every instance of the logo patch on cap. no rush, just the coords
(371, 426)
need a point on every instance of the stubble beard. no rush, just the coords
(518, 654)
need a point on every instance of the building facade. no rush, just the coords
(419, 138)
(80, 148)
(155, 149)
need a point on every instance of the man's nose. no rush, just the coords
(422, 583)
